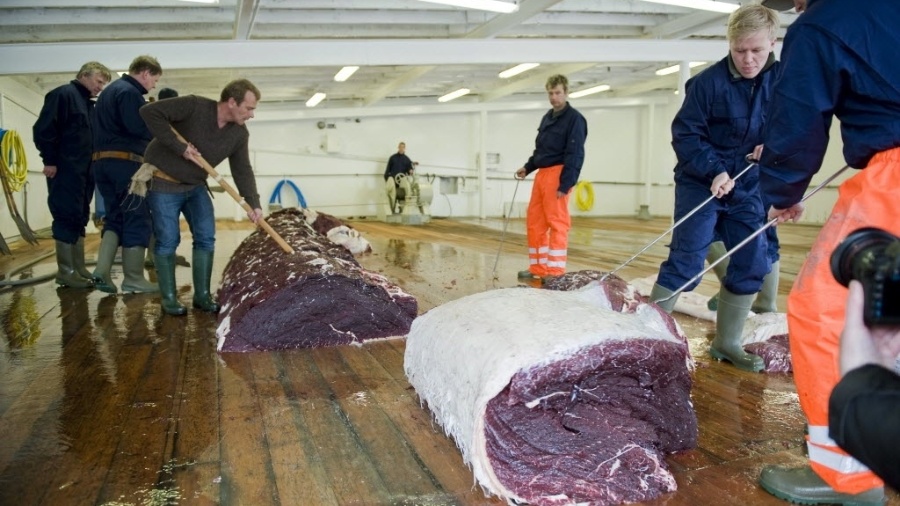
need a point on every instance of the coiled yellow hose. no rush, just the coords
(12, 160)
(584, 196)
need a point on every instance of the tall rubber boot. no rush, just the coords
(165, 275)
(65, 264)
(106, 255)
(78, 259)
(767, 298)
(732, 313)
(202, 271)
(803, 486)
(149, 261)
(716, 251)
(133, 267)
(660, 292)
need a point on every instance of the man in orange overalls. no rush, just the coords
(839, 59)
(558, 155)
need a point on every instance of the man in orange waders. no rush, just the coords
(839, 59)
(558, 155)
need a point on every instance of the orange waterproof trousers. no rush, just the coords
(548, 225)
(871, 198)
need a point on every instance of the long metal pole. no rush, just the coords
(505, 223)
(679, 222)
(751, 236)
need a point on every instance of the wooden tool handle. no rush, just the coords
(199, 160)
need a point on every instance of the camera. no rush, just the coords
(872, 257)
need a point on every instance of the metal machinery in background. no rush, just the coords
(409, 199)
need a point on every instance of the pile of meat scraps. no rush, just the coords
(558, 397)
(317, 296)
(337, 231)
(765, 334)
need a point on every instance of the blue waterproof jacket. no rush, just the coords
(62, 132)
(840, 59)
(118, 126)
(720, 123)
(560, 141)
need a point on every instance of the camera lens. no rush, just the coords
(854, 256)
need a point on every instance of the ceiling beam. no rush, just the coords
(486, 30)
(244, 18)
(387, 88)
(499, 24)
(41, 58)
(534, 80)
(147, 16)
(682, 26)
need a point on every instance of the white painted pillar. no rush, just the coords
(482, 166)
(684, 73)
(644, 211)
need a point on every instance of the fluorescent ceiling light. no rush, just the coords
(315, 99)
(454, 95)
(590, 91)
(482, 5)
(518, 69)
(345, 73)
(704, 5)
(675, 68)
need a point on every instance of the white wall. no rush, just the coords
(339, 168)
(19, 108)
(348, 182)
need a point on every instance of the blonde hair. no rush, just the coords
(144, 62)
(557, 80)
(92, 67)
(749, 19)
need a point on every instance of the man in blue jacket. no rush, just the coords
(120, 138)
(719, 123)
(62, 135)
(840, 59)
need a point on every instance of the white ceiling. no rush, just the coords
(410, 52)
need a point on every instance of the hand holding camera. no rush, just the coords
(872, 257)
(860, 344)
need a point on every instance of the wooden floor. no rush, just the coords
(105, 401)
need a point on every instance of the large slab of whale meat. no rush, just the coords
(317, 296)
(558, 397)
(765, 334)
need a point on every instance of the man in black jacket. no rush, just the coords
(399, 163)
(62, 135)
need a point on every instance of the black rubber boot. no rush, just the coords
(659, 293)
(109, 244)
(65, 264)
(133, 267)
(526, 274)
(165, 276)
(202, 271)
(732, 313)
(803, 486)
(767, 298)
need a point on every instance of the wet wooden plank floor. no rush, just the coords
(105, 401)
